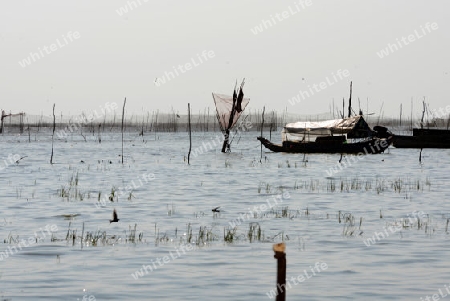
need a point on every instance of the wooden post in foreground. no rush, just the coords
(280, 256)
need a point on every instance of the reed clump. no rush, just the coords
(254, 232)
(72, 191)
(378, 185)
(229, 235)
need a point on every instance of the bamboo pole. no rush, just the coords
(190, 138)
(271, 123)
(1, 125)
(280, 256)
(412, 113)
(350, 102)
(423, 114)
(53, 134)
(123, 116)
(262, 126)
(82, 234)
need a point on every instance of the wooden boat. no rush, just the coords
(423, 138)
(372, 146)
(330, 136)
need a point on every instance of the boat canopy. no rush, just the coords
(353, 127)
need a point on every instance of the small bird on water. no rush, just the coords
(115, 219)
(216, 209)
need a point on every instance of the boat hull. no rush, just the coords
(373, 146)
(400, 141)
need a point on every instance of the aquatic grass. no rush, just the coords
(254, 232)
(397, 185)
(350, 228)
(266, 186)
(314, 185)
(170, 210)
(205, 235)
(11, 239)
(368, 186)
(199, 214)
(354, 184)
(279, 236)
(93, 238)
(99, 237)
(68, 231)
(227, 164)
(112, 195)
(284, 211)
(189, 233)
(164, 238)
(18, 192)
(331, 186)
(280, 212)
(131, 237)
(72, 191)
(229, 234)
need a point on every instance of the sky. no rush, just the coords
(298, 56)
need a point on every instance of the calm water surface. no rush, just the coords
(330, 217)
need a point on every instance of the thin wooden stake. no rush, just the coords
(272, 123)
(280, 256)
(123, 116)
(262, 126)
(82, 234)
(53, 134)
(423, 114)
(190, 138)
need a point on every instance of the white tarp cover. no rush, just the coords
(224, 104)
(335, 125)
(310, 130)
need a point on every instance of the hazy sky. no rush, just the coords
(83, 54)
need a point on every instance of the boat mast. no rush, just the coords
(350, 102)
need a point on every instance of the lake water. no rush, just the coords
(325, 218)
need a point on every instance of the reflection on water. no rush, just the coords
(326, 219)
